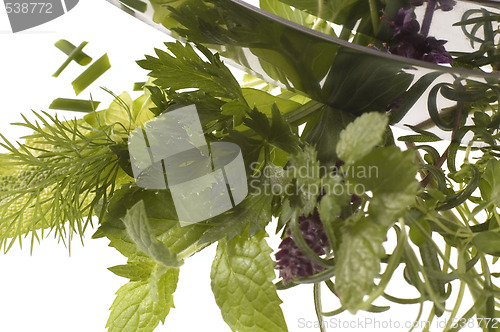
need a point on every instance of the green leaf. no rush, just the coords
(406, 101)
(361, 136)
(492, 176)
(180, 241)
(276, 132)
(324, 131)
(183, 68)
(281, 134)
(242, 282)
(141, 233)
(238, 29)
(487, 242)
(390, 175)
(328, 10)
(254, 213)
(304, 169)
(277, 7)
(134, 270)
(264, 101)
(141, 305)
(358, 261)
(360, 83)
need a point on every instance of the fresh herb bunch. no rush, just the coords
(319, 155)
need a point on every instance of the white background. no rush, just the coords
(51, 291)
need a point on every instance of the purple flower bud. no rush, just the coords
(409, 43)
(446, 5)
(404, 23)
(291, 261)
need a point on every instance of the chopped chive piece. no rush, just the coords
(65, 46)
(138, 86)
(136, 4)
(99, 67)
(75, 105)
(71, 56)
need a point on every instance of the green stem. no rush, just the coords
(455, 309)
(374, 16)
(317, 306)
(429, 13)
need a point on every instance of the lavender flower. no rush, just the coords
(291, 261)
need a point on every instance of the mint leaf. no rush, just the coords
(140, 232)
(361, 136)
(134, 270)
(181, 241)
(390, 175)
(141, 305)
(242, 282)
(358, 261)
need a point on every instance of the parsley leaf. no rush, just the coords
(184, 68)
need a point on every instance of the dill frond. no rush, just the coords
(55, 181)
